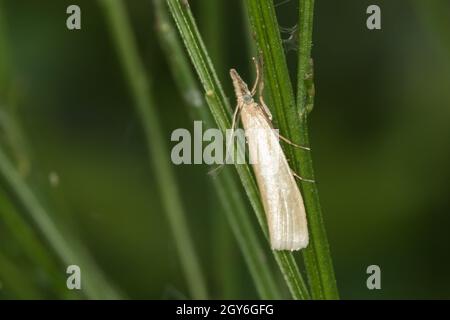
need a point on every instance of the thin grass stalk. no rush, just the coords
(224, 184)
(317, 257)
(291, 120)
(212, 17)
(220, 110)
(140, 86)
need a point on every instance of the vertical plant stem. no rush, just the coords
(318, 262)
(212, 17)
(292, 122)
(225, 184)
(140, 87)
(219, 108)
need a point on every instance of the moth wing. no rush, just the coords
(282, 200)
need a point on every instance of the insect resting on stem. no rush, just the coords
(280, 195)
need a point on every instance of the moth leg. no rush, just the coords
(292, 143)
(302, 179)
(234, 124)
(265, 108)
(235, 114)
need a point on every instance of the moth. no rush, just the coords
(281, 198)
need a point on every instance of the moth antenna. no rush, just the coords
(258, 76)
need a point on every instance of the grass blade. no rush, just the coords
(317, 257)
(225, 185)
(292, 122)
(212, 17)
(220, 110)
(140, 88)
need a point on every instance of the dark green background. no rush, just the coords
(380, 137)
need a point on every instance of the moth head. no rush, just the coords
(248, 99)
(240, 87)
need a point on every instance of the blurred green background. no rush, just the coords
(380, 136)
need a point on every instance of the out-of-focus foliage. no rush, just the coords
(380, 137)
